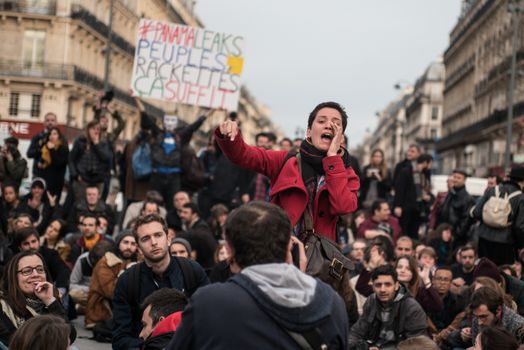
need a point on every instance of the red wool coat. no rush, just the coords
(337, 194)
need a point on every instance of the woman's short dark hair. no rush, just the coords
(12, 293)
(499, 338)
(258, 233)
(333, 105)
(45, 332)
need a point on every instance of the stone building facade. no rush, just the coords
(53, 59)
(477, 63)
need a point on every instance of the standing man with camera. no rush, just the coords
(12, 166)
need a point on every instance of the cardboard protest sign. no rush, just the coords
(182, 64)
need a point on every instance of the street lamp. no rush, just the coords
(514, 7)
(108, 47)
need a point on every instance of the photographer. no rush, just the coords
(102, 112)
(13, 167)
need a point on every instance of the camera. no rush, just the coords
(108, 97)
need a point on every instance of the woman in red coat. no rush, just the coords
(327, 184)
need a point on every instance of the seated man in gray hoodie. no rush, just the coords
(390, 314)
(269, 303)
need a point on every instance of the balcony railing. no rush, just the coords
(56, 71)
(44, 70)
(42, 7)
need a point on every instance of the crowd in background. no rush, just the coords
(447, 267)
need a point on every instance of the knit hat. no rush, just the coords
(460, 171)
(184, 242)
(487, 268)
(38, 181)
(122, 235)
(517, 173)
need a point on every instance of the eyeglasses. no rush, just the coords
(26, 271)
(441, 279)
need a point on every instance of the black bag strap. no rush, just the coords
(189, 275)
(309, 340)
(133, 283)
(308, 219)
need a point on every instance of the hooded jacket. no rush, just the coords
(103, 282)
(276, 297)
(336, 197)
(404, 318)
(163, 332)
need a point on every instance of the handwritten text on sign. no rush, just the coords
(188, 65)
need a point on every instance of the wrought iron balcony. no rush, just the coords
(42, 7)
(67, 72)
(42, 70)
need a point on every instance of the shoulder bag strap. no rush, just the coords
(308, 219)
(189, 276)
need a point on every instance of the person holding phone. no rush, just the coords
(376, 180)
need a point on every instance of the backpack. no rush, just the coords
(497, 209)
(141, 161)
(188, 273)
(193, 171)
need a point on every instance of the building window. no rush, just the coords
(35, 106)
(13, 103)
(434, 134)
(33, 49)
(25, 105)
(434, 113)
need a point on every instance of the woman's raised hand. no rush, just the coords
(229, 128)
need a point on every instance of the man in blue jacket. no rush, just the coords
(159, 270)
(269, 303)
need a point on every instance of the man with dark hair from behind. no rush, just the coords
(283, 303)
(162, 315)
(417, 343)
(390, 314)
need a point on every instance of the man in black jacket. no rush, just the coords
(499, 244)
(159, 270)
(26, 239)
(166, 150)
(412, 195)
(390, 314)
(456, 207)
(269, 303)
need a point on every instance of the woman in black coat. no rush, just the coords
(52, 161)
(376, 180)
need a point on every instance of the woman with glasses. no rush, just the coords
(26, 291)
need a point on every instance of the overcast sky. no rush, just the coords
(302, 52)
